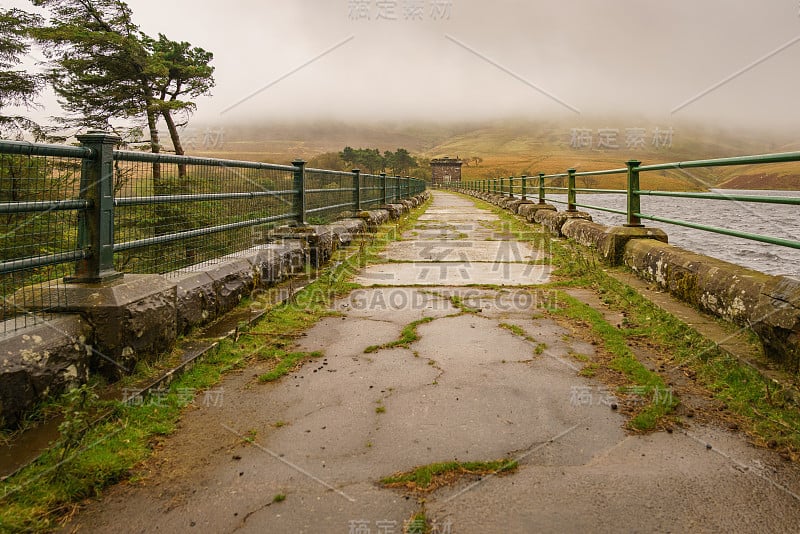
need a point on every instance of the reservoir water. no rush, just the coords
(765, 219)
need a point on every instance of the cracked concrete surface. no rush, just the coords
(469, 389)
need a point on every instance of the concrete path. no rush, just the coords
(470, 389)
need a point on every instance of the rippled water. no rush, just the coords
(765, 219)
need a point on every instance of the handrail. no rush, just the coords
(781, 157)
(794, 201)
(634, 193)
(176, 199)
(24, 148)
(149, 157)
(725, 231)
(601, 173)
(7, 208)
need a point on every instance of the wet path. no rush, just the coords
(489, 377)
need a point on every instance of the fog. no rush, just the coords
(722, 61)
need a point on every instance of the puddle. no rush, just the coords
(27, 447)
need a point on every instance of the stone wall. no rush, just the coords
(108, 328)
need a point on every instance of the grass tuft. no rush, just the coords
(514, 329)
(408, 336)
(427, 478)
(287, 364)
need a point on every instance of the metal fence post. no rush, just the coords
(300, 191)
(356, 189)
(524, 187)
(96, 224)
(408, 187)
(541, 188)
(383, 188)
(511, 186)
(396, 188)
(634, 200)
(571, 199)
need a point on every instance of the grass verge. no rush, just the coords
(648, 383)
(47, 491)
(767, 411)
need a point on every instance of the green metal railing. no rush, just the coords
(565, 183)
(90, 213)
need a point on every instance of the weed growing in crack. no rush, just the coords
(408, 336)
(429, 477)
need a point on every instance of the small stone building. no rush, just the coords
(446, 171)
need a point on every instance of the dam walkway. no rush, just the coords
(485, 372)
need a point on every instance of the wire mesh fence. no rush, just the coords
(392, 188)
(175, 214)
(39, 202)
(329, 195)
(88, 213)
(371, 191)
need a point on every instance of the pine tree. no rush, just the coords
(104, 68)
(17, 87)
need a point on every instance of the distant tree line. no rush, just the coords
(399, 162)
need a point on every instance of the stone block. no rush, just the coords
(777, 321)
(133, 317)
(41, 361)
(346, 230)
(375, 218)
(196, 299)
(554, 220)
(529, 210)
(395, 210)
(516, 204)
(609, 242)
(233, 279)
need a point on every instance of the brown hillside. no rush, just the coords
(772, 181)
(503, 148)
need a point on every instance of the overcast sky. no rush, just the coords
(466, 59)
